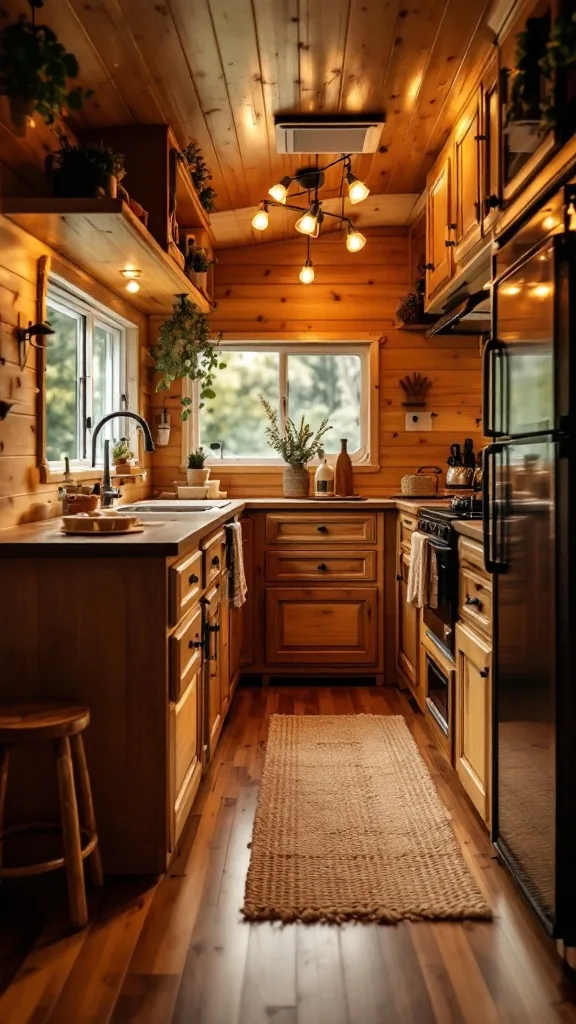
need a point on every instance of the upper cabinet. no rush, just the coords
(468, 138)
(439, 244)
(490, 150)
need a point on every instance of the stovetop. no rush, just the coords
(437, 522)
(446, 515)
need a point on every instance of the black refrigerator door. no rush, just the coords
(524, 547)
(519, 390)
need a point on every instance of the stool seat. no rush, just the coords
(31, 721)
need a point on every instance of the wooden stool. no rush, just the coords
(29, 721)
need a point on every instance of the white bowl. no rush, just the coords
(192, 492)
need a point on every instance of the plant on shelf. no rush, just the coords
(121, 452)
(84, 169)
(198, 261)
(524, 127)
(559, 56)
(297, 446)
(410, 309)
(185, 350)
(192, 156)
(196, 474)
(35, 72)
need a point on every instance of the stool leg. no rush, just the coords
(71, 834)
(4, 760)
(85, 796)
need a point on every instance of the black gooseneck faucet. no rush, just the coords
(109, 493)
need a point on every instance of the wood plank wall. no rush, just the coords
(353, 296)
(22, 497)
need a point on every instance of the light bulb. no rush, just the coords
(260, 220)
(306, 275)
(280, 190)
(542, 291)
(549, 223)
(355, 240)
(511, 289)
(357, 190)
(309, 222)
(132, 286)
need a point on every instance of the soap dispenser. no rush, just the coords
(324, 478)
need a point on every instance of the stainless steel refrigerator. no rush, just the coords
(529, 512)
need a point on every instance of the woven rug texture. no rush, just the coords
(349, 827)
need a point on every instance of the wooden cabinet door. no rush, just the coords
(491, 162)
(224, 650)
(321, 626)
(467, 206)
(473, 738)
(212, 670)
(438, 253)
(408, 629)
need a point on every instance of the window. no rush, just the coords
(86, 376)
(298, 379)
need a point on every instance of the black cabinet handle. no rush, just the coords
(449, 244)
(193, 578)
(399, 577)
(473, 600)
(322, 529)
(484, 672)
(428, 266)
(322, 567)
(493, 202)
(215, 560)
(195, 644)
(212, 629)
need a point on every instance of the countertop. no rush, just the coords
(172, 538)
(470, 528)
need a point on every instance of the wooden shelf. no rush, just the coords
(104, 237)
(189, 210)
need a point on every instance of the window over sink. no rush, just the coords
(91, 370)
(314, 380)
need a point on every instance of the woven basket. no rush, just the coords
(421, 484)
(295, 482)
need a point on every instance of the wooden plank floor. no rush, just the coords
(177, 950)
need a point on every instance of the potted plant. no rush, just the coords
(184, 349)
(196, 474)
(35, 71)
(524, 125)
(410, 309)
(121, 452)
(85, 169)
(192, 156)
(297, 446)
(559, 62)
(197, 265)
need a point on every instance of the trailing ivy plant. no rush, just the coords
(185, 349)
(35, 70)
(199, 171)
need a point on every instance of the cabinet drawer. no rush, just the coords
(185, 747)
(352, 566)
(185, 649)
(475, 604)
(471, 553)
(213, 549)
(185, 585)
(314, 528)
(321, 626)
(407, 526)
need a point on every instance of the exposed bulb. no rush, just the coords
(306, 224)
(542, 291)
(279, 191)
(357, 190)
(132, 286)
(306, 275)
(260, 220)
(511, 289)
(355, 240)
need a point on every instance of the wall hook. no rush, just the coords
(25, 336)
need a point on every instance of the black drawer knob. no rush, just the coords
(322, 529)
(484, 672)
(193, 578)
(322, 567)
(399, 577)
(194, 644)
(216, 560)
(472, 600)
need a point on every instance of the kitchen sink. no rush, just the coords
(132, 509)
(166, 511)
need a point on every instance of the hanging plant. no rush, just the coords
(35, 71)
(185, 349)
(199, 171)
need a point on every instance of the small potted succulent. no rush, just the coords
(122, 453)
(196, 474)
(84, 170)
(297, 446)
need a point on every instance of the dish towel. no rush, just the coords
(433, 574)
(417, 589)
(237, 587)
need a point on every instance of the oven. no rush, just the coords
(440, 615)
(438, 693)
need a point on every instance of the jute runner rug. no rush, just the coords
(349, 827)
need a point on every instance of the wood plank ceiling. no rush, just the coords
(219, 70)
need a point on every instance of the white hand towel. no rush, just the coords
(237, 587)
(417, 589)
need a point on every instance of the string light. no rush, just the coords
(306, 275)
(355, 240)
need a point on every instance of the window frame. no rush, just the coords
(367, 347)
(71, 300)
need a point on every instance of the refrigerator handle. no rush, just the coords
(492, 348)
(492, 564)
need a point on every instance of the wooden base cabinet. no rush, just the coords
(408, 627)
(321, 626)
(473, 734)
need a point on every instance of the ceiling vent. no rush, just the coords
(298, 134)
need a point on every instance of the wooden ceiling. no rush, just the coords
(219, 70)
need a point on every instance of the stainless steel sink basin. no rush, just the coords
(162, 511)
(157, 510)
